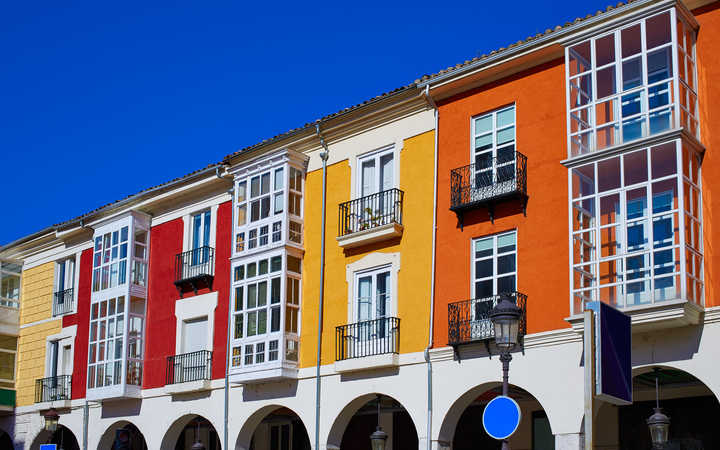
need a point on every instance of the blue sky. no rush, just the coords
(99, 101)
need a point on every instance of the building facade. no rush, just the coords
(340, 276)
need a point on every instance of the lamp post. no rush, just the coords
(505, 317)
(51, 420)
(197, 445)
(658, 423)
(379, 437)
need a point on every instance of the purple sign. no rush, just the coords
(613, 354)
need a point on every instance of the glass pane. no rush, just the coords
(265, 183)
(278, 179)
(637, 203)
(506, 284)
(506, 135)
(483, 247)
(606, 82)
(657, 30)
(632, 73)
(252, 296)
(483, 124)
(579, 58)
(506, 117)
(659, 65)
(605, 50)
(254, 187)
(262, 293)
(484, 268)
(483, 289)
(241, 191)
(635, 167)
(609, 209)
(609, 174)
(506, 243)
(483, 142)
(583, 180)
(506, 264)
(630, 40)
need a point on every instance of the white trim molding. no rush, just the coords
(373, 260)
(194, 308)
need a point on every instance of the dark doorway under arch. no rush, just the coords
(200, 429)
(395, 420)
(62, 437)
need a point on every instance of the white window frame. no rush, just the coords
(376, 155)
(14, 353)
(369, 264)
(73, 280)
(6, 301)
(188, 226)
(591, 128)
(191, 308)
(493, 132)
(65, 338)
(494, 257)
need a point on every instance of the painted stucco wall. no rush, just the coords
(36, 306)
(414, 247)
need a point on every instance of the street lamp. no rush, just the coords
(379, 437)
(505, 317)
(197, 445)
(658, 423)
(51, 420)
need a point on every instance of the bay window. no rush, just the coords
(636, 228)
(634, 82)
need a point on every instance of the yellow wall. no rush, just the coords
(415, 248)
(35, 305)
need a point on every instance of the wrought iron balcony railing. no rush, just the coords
(63, 302)
(195, 267)
(372, 337)
(370, 212)
(189, 367)
(488, 181)
(469, 320)
(53, 388)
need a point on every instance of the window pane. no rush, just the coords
(506, 284)
(483, 248)
(278, 179)
(606, 82)
(605, 50)
(609, 174)
(657, 30)
(630, 39)
(483, 289)
(506, 243)
(635, 167)
(254, 187)
(579, 58)
(241, 191)
(506, 264)
(484, 268)
(506, 117)
(265, 183)
(632, 73)
(483, 124)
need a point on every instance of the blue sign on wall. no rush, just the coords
(613, 354)
(501, 417)
(48, 446)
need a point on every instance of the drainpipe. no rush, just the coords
(86, 413)
(324, 156)
(432, 273)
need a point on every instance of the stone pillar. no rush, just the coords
(570, 441)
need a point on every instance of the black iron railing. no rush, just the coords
(469, 320)
(53, 388)
(189, 367)
(370, 211)
(63, 302)
(487, 180)
(373, 337)
(195, 267)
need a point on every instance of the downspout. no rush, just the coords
(226, 416)
(324, 157)
(86, 413)
(432, 274)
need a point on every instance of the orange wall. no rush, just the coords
(542, 265)
(708, 57)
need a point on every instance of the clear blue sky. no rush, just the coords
(100, 100)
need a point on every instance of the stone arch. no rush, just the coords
(108, 437)
(63, 435)
(247, 431)
(346, 413)
(5, 439)
(174, 430)
(456, 410)
(702, 378)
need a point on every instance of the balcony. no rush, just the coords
(63, 302)
(370, 219)
(488, 182)
(188, 372)
(367, 345)
(55, 391)
(469, 320)
(195, 268)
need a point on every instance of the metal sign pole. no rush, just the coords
(589, 353)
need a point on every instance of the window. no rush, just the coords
(622, 86)
(107, 327)
(376, 172)
(110, 259)
(10, 284)
(201, 229)
(630, 235)
(494, 265)
(494, 147)
(194, 335)
(281, 436)
(372, 294)
(64, 274)
(8, 352)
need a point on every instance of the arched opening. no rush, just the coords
(690, 405)
(187, 430)
(62, 437)
(5, 440)
(463, 429)
(273, 428)
(122, 435)
(359, 419)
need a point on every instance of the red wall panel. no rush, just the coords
(166, 241)
(223, 242)
(82, 320)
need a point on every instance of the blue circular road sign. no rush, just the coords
(501, 417)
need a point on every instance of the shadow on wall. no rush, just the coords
(666, 345)
(267, 391)
(123, 408)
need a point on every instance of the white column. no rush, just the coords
(570, 441)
